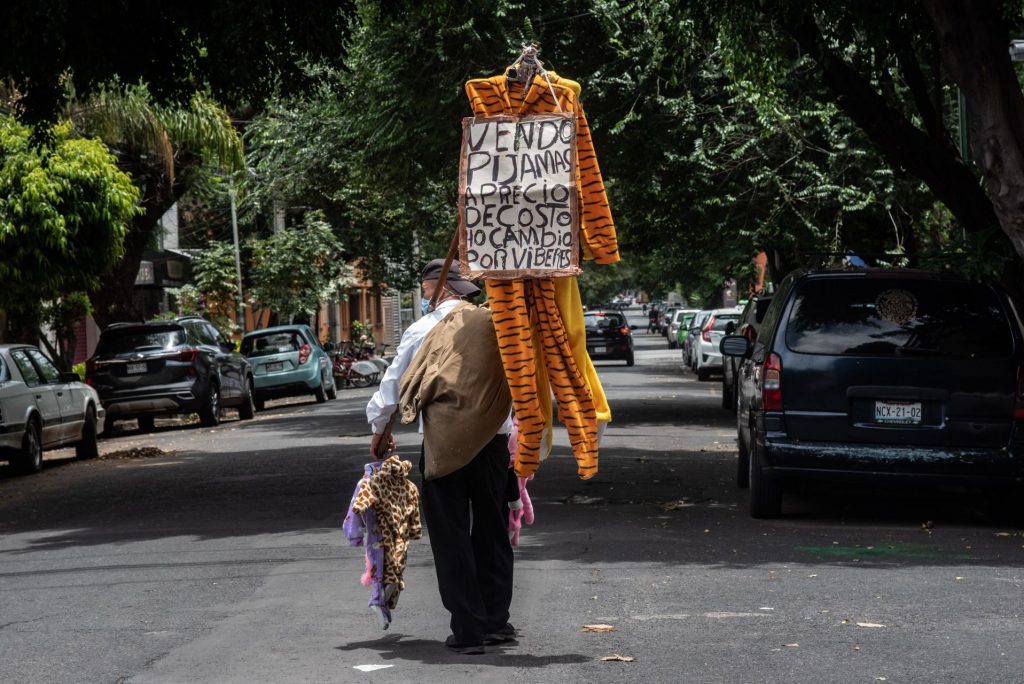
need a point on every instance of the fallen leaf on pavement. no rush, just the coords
(583, 499)
(619, 658)
(676, 505)
(791, 645)
(597, 628)
(869, 624)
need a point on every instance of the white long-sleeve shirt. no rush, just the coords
(384, 401)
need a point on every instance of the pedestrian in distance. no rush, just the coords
(652, 319)
(464, 458)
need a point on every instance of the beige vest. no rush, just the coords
(457, 382)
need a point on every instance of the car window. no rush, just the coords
(601, 321)
(4, 375)
(265, 344)
(50, 373)
(723, 320)
(898, 317)
(28, 371)
(113, 342)
(204, 333)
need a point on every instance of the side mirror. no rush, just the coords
(734, 345)
(70, 377)
(328, 347)
(633, 326)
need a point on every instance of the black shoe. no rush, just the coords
(502, 635)
(467, 648)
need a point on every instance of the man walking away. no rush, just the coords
(464, 456)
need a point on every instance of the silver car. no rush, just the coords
(42, 408)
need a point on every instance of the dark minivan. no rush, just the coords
(182, 365)
(869, 374)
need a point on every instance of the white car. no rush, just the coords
(42, 408)
(708, 356)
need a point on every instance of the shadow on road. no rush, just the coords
(400, 647)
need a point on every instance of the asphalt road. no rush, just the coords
(221, 559)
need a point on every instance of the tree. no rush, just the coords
(295, 270)
(240, 50)
(892, 68)
(214, 292)
(167, 150)
(64, 212)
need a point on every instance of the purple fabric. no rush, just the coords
(362, 530)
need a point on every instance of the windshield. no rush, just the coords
(266, 344)
(602, 320)
(895, 317)
(114, 342)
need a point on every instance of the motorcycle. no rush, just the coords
(357, 368)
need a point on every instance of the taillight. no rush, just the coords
(624, 330)
(186, 355)
(304, 352)
(90, 368)
(1018, 399)
(771, 383)
(705, 334)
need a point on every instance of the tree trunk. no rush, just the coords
(112, 299)
(974, 43)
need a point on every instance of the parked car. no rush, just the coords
(683, 328)
(42, 408)
(880, 374)
(680, 321)
(748, 326)
(692, 338)
(288, 361)
(707, 357)
(608, 336)
(181, 365)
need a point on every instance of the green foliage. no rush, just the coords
(64, 210)
(295, 270)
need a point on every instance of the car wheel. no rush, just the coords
(146, 423)
(259, 404)
(108, 426)
(209, 414)
(247, 409)
(672, 344)
(88, 447)
(332, 389)
(727, 401)
(30, 460)
(629, 359)
(702, 374)
(765, 493)
(321, 391)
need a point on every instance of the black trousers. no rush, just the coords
(467, 521)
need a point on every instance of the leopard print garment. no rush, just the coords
(396, 501)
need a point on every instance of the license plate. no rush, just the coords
(898, 412)
(136, 368)
(600, 350)
(275, 367)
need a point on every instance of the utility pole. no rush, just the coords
(238, 262)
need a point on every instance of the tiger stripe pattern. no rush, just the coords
(537, 352)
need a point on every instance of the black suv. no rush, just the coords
(870, 374)
(182, 365)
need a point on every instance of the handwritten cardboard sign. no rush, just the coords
(518, 206)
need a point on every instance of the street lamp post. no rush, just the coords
(238, 260)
